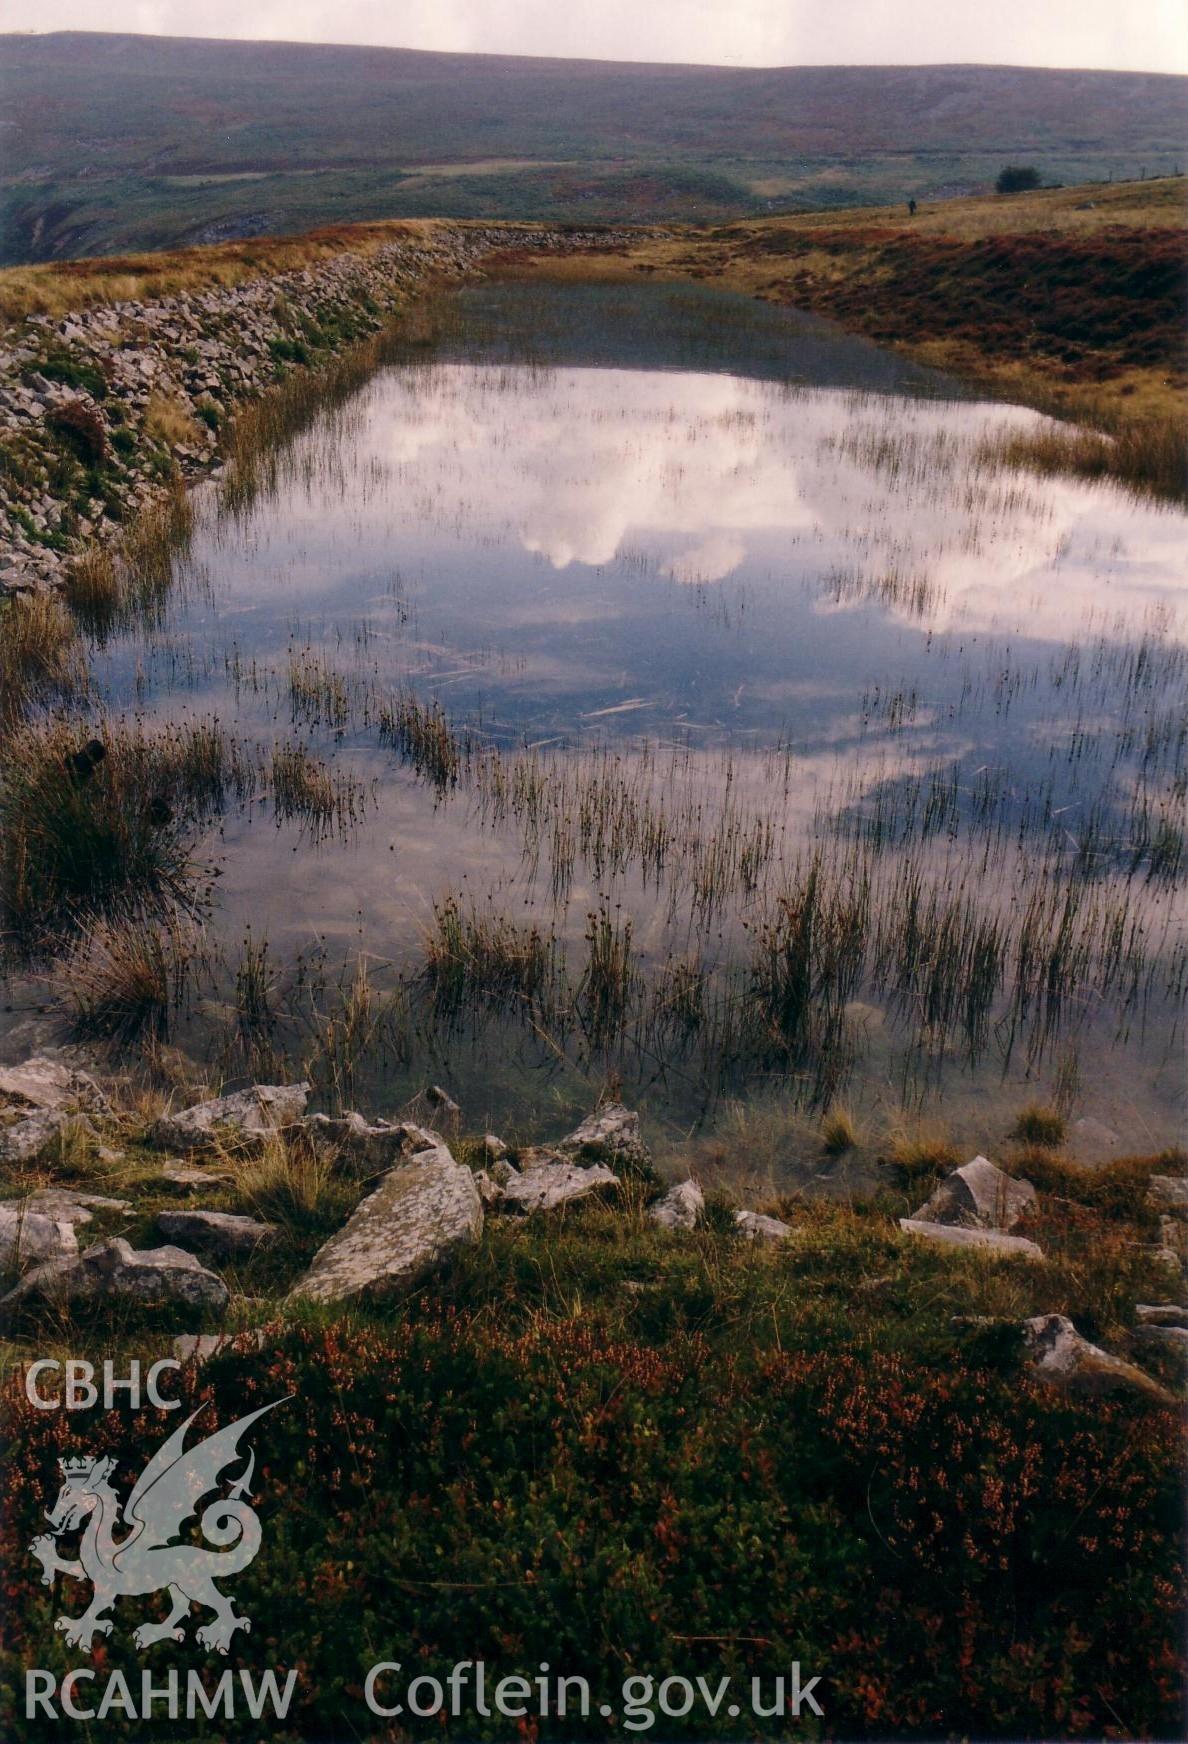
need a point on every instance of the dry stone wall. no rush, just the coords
(107, 409)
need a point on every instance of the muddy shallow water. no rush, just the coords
(769, 582)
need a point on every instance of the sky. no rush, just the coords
(1142, 35)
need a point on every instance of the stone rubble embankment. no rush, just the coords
(103, 411)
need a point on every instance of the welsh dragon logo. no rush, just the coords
(145, 1559)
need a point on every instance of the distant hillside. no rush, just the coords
(112, 142)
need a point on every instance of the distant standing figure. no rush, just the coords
(911, 208)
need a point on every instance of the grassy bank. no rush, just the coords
(1070, 300)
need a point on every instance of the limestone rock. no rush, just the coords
(1058, 1354)
(611, 1136)
(199, 1347)
(546, 1180)
(65, 1205)
(756, 1227)
(47, 1082)
(114, 1269)
(418, 1215)
(191, 1179)
(978, 1196)
(494, 1149)
(990, 1241)
(1167, 1337)
(32, 1236)
(25, 1138)
(219, 1232)
(381, 1144)
(1161, 1314)
(490, 1191)
(248, 1114)
(442, 1099)
(1168, 1194)
(680, 1208)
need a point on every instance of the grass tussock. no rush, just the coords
(167, 420)
(487, 958)
(919, 1153)
(40, 655)
(307, 790)
(1115, 1190)
(125, 978)
(1148, 456)
(839, 1132)
(106, 831)
(1040, 1126)
(290, 1183)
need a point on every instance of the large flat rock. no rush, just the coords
(217, 1232)
(32, 1236)
(65, 1205)
(46, 1082)
(756, 1226)
(546, 1181)
(113, 1269)
(988, 1241)
(418, 1215)
(251, 1113)
(1059, 1355)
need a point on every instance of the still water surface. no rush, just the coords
(772, 570)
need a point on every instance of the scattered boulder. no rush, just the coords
(991, 1241)
(756, 1227)
(26, 1137)
(192, 1179)
(978, 1196)
(32, 1236)
(1168, 1337)
(442, 1099)
(1057, 1353)
(199, 1347)
(490, 1191)
(1161, 1314)
(248, 1114)
(114, 1269)
(218, 1232)
(494, 1149)
(680, 1208)
(41, 1096)
(546, 1180)
(1168, 1194)
(65, 1205)
(379, 1145)
(47, 1082)
(418, 1215)
(610, 1136)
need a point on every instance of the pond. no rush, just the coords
(674, 692)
